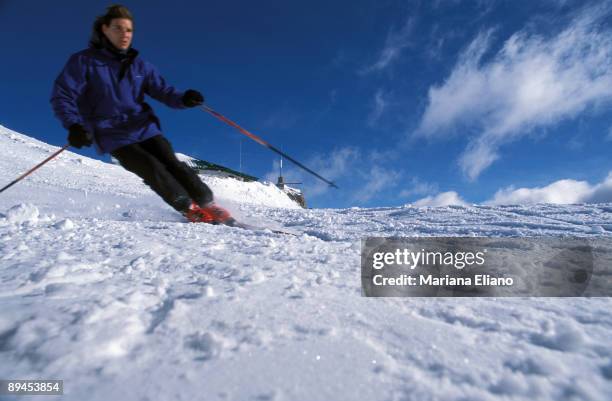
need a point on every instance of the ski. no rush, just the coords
(235, 223)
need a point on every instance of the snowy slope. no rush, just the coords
(104, 286)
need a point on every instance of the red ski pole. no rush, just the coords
(263, 143)
(27, 173)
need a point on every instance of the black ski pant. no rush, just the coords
(154, 161)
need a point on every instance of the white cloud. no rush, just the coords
(283, 118)
(339, 162)
(395, 43)
(417, 187)
(378, 107)
(441, 199)
(531, 82)
(602, 192)
(374, 181)
(560, 192)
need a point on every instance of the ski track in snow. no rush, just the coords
(105, 287)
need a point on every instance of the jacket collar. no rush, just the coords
(106, 47)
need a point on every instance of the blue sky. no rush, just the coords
(422, 102)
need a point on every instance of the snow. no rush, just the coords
(104, 286)
(22, 213)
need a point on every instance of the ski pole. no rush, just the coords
(263, 143)
(27, 173)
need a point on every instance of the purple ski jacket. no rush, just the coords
(104, 91)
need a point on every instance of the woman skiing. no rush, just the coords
(100, 99)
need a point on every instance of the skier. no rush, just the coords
(99, 98)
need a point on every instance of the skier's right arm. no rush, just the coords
(68, 87)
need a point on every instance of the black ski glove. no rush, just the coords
(192, 98)
(78, 136)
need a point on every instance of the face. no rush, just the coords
(119, 32)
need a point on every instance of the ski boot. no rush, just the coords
(210, 213)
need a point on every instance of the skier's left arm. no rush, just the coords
(158, 89)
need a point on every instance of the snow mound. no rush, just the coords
(64, 225)
(255, 193)
(23, 213)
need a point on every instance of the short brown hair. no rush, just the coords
(112, 12)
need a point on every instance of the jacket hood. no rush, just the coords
(97, 37)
